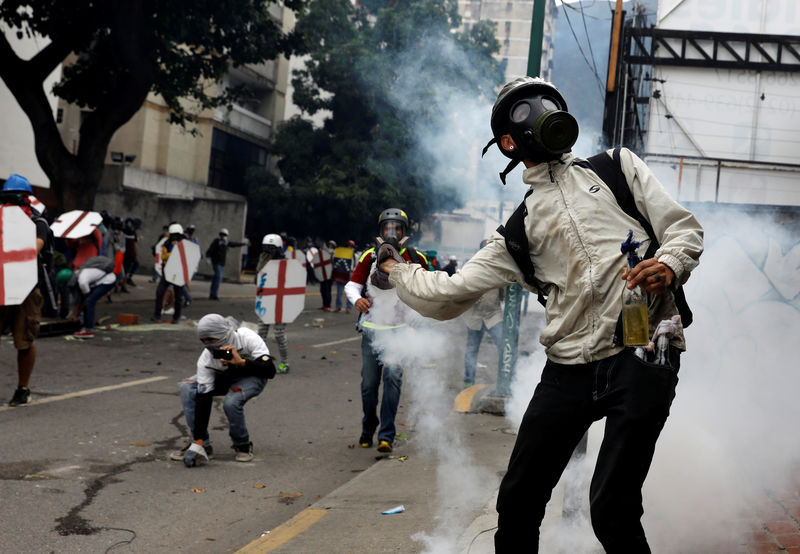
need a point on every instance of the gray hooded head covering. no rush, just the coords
(214, 326)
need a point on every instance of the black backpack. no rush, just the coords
(609, 169)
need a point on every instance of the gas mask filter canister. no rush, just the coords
(541, 129)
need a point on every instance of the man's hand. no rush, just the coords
(237, 360)
(362, 305)
(651, 275)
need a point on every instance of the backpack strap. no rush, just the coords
(517, 245)
(609, 169)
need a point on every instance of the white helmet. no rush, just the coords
(175, 229)
(223, 231)
(453, 259)
(273, 240)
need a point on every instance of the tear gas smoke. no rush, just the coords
(425, 349)
(731, 436)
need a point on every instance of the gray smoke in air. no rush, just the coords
(425, 349)
(731, 441)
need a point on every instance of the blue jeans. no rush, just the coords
(237, 393)
(88, 311)
(339, 295)
(214, 292)
(473, 345)
(371, 370)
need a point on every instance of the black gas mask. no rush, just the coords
(535, 114)
(541, 128)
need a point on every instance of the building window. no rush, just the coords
(231, 157)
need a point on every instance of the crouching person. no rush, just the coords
(235, 363)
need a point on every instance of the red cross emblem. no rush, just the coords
(12, 255)
(280, 291)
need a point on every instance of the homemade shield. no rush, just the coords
(298, 255)
(182, 263)
(281, 292)
(322, 263)
(18, 274)
(76, 224)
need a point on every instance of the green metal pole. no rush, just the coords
(537, 37)
(508, 350)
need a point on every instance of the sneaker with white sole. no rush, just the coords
(244, 451)
(83, 334)
(178, 455)
(195, 455)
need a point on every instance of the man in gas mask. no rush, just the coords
(381, 313)
(568, 248)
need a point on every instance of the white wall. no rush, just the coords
(17, 153)
(722, 113)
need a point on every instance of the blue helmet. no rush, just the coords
(18, 183)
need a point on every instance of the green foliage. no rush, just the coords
(379, 69)
(118, 52)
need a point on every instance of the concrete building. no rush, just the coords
(162, 172)
(724, 115)
(513, 19)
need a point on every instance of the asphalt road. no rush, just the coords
(84, 467)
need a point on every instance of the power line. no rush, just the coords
(577, 42)
(588, 39)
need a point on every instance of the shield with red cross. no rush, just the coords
(182, 263)
(76, 224)
(298, 255)
(18, 273)
(281, 292)
(36, 204)
(321, 261)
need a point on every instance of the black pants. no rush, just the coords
(177, 304)
(634, 396)
(325, 290)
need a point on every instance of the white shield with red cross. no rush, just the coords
(18, 273)
(298, 255)
(76, 224)
(281, 292)
(182, 263)
(322, 262)
(36, 204)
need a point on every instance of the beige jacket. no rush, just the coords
(575, 228)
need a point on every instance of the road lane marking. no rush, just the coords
(284, 533)
(87, 392)
(463, 402)
(351, 339)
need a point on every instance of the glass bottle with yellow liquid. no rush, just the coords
(635, 331)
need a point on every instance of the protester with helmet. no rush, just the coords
(24, 318)
(272, 249)
(175, 236)
(378, 317)
(343, 263)
(217, 252)
(571, 226)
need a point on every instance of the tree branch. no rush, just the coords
(44, 62)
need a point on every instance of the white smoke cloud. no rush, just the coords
(731, 437)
